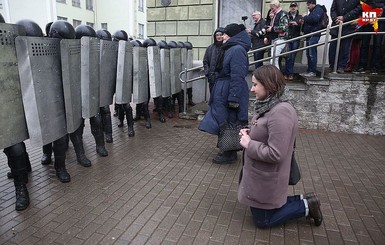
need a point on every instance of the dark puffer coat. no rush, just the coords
(230, 86)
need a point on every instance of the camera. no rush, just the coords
(244, 18)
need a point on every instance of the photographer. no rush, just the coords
(257, 35)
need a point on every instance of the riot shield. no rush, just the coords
(123, 91)
(13, 127)
(41, 87)
(165, 71)
(154, 72)
(90, 57)
(175, 69)
(70, 65)
(140, 75)
(108, 61)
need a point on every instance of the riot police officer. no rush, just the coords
(19, 164)
(95, 121)
(58, 29)
(105, 112)
(124, 108)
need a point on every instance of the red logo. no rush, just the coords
(369, 16)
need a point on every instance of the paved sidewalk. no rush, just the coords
(160, 187)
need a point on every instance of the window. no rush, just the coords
(90, 4)
(62, 18)
(61, 1)
(140, 6)
(76, 3)
(90, 24)
(141, 31)
(104, 26)
(76, 23)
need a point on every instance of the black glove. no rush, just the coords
(233, 105)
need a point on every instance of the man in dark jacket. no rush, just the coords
(376, 50)
(211, 56)
(312, 23)
(342, 11)
(257, 35)
(294, 31)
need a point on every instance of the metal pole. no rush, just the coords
(185, 91)
(337, 47)
(327, 36)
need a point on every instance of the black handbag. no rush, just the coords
(295, 173)
(228, 139)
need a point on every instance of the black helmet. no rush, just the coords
(180, 44)
(62, 29)
(31, 28)
(188, 45)
(120, 35)
(104, 35)
(47, 27)
(84, 31)
(162, 44)
(136, 43)
(2, 19)
(172, 44)
(149, 42)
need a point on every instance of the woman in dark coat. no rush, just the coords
(230, 96)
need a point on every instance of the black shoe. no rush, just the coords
(83, 160)
(191, 103)
(130, 131)
(22, 197)
(226, 157)
(340, 70)
(360, 70)
(170, 114)
(63, 175)
(373, 71)
(109, 138)
(161, 118)
(315, 210)
(148, 124)
(46, 159)
(310, 195)
(120, 125)
(116, 113)
(101, 150)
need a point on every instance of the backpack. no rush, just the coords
(325, 18)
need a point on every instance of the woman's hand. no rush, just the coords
(245, 138)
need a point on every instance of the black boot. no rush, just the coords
(170, 107)
(77, 141)
(121, 115)
(98, 135)
(180, 98)
(226, 157)
(47, 153)
(61, 171)
(130, 121)
(138, 111)
(106, 122)
(159, 103)
(146, 115)
(21, 191)
(189, 95)
(161, 117)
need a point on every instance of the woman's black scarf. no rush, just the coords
(263, 106)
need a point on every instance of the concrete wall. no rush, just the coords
(353, 104)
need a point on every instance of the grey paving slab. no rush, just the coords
(160, 187)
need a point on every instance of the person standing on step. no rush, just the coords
(257, 35)
(294, 31)
(230, 96)
(211, 56)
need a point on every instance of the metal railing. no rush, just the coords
(324, 42)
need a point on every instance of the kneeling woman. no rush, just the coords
(268, 147)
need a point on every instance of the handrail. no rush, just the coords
(323, 32)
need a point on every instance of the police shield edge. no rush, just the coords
(140, 75)
(123, 92)
(108, 62)
(70, 63)
(13, 127)
(154, 71)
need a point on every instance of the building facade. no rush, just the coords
(128, 15)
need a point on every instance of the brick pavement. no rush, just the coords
(160, 187)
